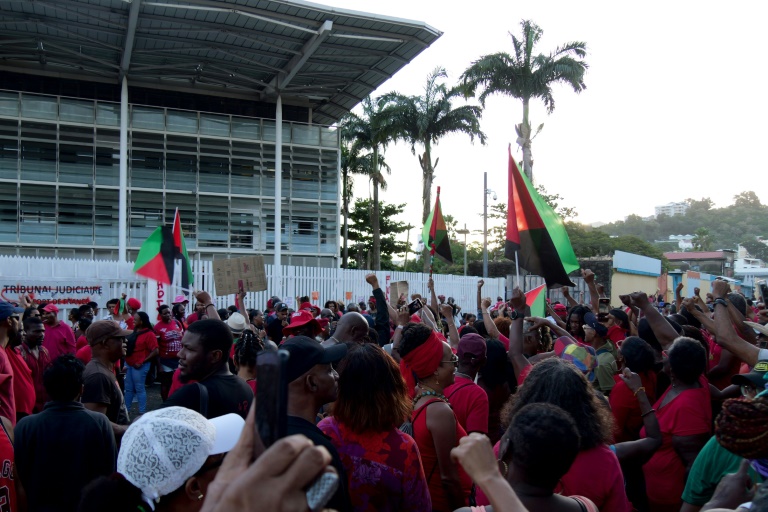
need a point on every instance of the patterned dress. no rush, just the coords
(384, 469)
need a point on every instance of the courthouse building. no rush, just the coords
(212, 94)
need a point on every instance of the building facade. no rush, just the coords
(672, 209)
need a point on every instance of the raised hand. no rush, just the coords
(372, 280)
(446, 310)
(720, 289)
(480, 284)
(538, 322)
(565, 291)
(486, 303)
(679, 288)
(639, 299)
(588, 275)
(518, 299)
(631, 379)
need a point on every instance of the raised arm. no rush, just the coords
(432, 297)
(210, 308)
(738, 320)
(594, 295)
(519, 362)
(679, 295)
(572, 303)
(665, 333)
(453, 333)
(726, 336)
(640, 451)
(480, 284)
(490, 326)
(539, 322)
(382, 313)
(704, 319)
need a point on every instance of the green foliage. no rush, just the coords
(756, 249)
(726, 227)
(553, 200)
(361, 237)
(588, 243)
(702, 241)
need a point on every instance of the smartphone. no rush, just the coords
(271, 395)
(272, 418)
(762, 286)
(414, 306)
(604, 305)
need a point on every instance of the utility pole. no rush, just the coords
(464, 232)
(485, 224)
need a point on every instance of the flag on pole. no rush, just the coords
(537, 233)
(435, 234)
(536, 299)
(156, 256)
(180, 248)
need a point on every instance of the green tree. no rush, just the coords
(361, 236)
(553, 200)
(352, 163)
(365, 132)
(526, 76)
(748, 199)
(702, 240)
(756, 249)
(423, 121)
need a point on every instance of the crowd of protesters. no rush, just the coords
(415, 404)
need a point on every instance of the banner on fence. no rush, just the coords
(246, 273)
(58, 292)
(397, 289)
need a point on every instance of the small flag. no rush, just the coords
(537, 233)
(156, 255)
(181, 252)
(536, 299)
(435, 234)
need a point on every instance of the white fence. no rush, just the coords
(71, 282)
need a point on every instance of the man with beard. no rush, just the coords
(37, 358)
(9, 328)
(203, 358)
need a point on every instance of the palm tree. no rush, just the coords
(525, 76)
(702, 240)
(424, 120)
(364, 132)
(351, 163)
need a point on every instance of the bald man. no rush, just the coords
(352, 328)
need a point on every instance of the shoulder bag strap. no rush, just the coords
(203, 399)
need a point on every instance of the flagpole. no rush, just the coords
(517, 270)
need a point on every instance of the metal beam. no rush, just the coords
(130, 38)
(284, 77)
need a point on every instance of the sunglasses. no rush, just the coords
(454, 360)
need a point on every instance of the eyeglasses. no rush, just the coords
(454, 360)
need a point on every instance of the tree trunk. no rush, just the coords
(375, 217)
(428, 174)
(345, 199)
(525, 141)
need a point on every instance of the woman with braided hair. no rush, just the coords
(428, 367)
(246, 348)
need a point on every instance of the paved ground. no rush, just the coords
(153, 401)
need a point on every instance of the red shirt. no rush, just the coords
(252, 383)
(23, 386)
(616, 334)
(596, 474)
(37, 366)
(169, 335)
(7, 401)
(146, 342)
(59, 340)
(84, 354)
(626, 409)
(192, 318)
(505, 341)
(688, 414)
(176, 382)
(81, 342)
(715, 353)
(469, 403)
(7, 461)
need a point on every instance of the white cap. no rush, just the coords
(164, 448)
(237, 323)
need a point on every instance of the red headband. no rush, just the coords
(421, 361)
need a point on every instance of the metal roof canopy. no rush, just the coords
(326, 58)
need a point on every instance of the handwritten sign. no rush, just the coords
(398, 288)
(246, 273)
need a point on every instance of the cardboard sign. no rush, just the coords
(246, 273)
(398, 288)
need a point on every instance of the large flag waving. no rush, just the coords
(435, 234)
(181, 252)
(537, 233)
(536, 299)
(156, 255)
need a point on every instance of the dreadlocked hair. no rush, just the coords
(740, 427)
(246, 349)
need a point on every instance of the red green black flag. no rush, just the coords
(158, 253)
(537, 233)
(180, 248)
(435, 234)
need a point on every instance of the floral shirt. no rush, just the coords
(384, 469)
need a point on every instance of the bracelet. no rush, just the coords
(209, 305)
(647, 413)
(721, 302)
(401, 327)
(641, 388)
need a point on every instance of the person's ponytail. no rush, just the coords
(113, 493)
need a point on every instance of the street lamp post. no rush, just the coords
(464, 232)
(486, 191)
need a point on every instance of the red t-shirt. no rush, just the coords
(84, 354)
(7, 401)
(596, 474)
(715, 352)
(469, 403)
(37, 366)
(81, 342)
(59, 340)
(505, 341)
(145, 343)
(626, 409)
(616, 334)
(252, 383)
(176, 382)
(23, 386)
(170, 335)
(688, 414)
(7, 461)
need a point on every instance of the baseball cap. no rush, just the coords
(560, 308)
(180, 299)
(102, 329)
(591, 320)
(51, 308)
(754, 378)
(175, 443)
(581, 356)
(7, 309)
(280, 306)
(237, 323)
(307, 353)
(300, 319)
(472, 344)
(133, 303)
(620, 315)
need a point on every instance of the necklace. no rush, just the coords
(423, 394)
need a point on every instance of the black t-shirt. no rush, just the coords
(226, 394)
(340, 500)
(275, 329)
(100, 387)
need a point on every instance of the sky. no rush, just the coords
(674, 106)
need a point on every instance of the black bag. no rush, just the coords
(130, 342)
